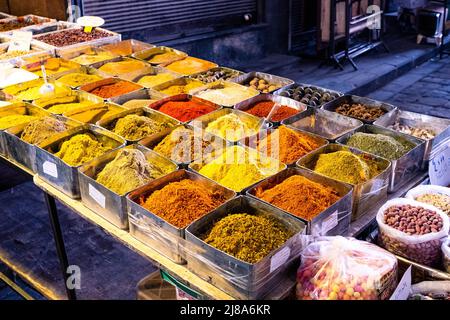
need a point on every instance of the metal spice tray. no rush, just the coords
(241, 279)
(157, 70)
(50, 27)
(253, 141)
(80, 96)
(154, 231)
(114, 37)
(10, 92)
(279, 82)
(93, 114)
(148, 54)
(284, 101)
(4, 15)
(35, 66)
(103, 201)
(59, 174)
(35, 50)
(439, 125)
(180, 81)
(144, 94)
(73, 53)
(224, 84)
(182, 97)
(366, 195)
(109, 123)
(351, 99)
(335, 220)
(254, 157)
(407, 166)
(289, 89)
(203, 121)
(216, 146)
(127, 47)
(130, 76)
(327, 124)
(22, 108)
(83, 69)
(199, 76)
(23, 152)
(108, 81)
(34, 19)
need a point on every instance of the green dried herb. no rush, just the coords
(247, 237)
(380, 145)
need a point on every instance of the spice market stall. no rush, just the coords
(237, 186)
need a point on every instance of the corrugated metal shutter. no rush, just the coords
(133, 15)
(302, 24)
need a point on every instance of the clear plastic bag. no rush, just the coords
(424, 249)
(338, 268)
(446, 255)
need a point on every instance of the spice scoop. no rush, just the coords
(46, 88)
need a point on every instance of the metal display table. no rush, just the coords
(180, 271)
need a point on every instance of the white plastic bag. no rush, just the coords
(446, 254)
(424, 249)
(427, 189)
(338, 268)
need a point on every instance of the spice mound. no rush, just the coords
(37, 131)
(121, 67)
(236, 168)
(135, 127)
(263, 108)
(28, 93)
(226, 96)
(286, 145)
(71, 36)
(14, 120)
(115, 89)
(164, 57)
(262, 85)
(182, 202)
(345, 166)
(360, 111)
(380, 145)
(300, 196)
(185, 110)
(232, 127)
(421, 133)
(153, 80)
(77, 79)
(15, 24)
(94, 113)
(130, 170)
(180, 89)
(182, 145)
(311, 96)
(138, 103)
(190, 65)
(80, 149)
(63, 104)
(247, 237)
(92, 57)
(440, 201)
(53, 66)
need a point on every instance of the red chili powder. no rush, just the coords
(115, 89)
(262, 109)
(185, 110)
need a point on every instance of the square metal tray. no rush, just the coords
(108, 81)
(366, 195)
(149, 53)
(103, 201)
(154, 231)
(327, 124)
(407, 166)
(280, 82)
(144, 94)
(200, 75)
(130, 76)
(127, 47)
(333, 221)
(241, 279)
(80, 96)
(333, 105)
(286, 92)
(58, 173)
(180, 81)
(93, 114)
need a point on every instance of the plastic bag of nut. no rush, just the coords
(413, 230)
(338, 268)
(446, 255)
(437, 196)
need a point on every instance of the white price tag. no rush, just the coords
(279, 258)
(97, 196)
(439, 168)
(50, 168)
(20, 41)
(329, 223)
(404, 287)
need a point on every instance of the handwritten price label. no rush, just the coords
(439, 169)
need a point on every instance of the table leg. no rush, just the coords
(59, 242)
